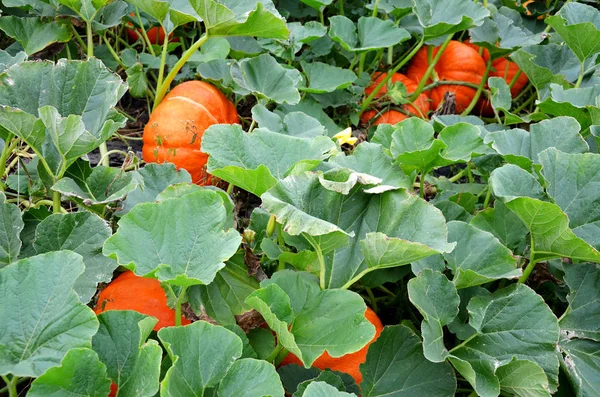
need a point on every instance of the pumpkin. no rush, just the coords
(156, 35)
(348, 363)
(174, 131)
(388, 117)
(144, 295)
(503, 68)
(459, 62)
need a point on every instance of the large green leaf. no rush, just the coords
(438, 301)
(478, 257)
(308, 320)
(80, 373)
(521, 147)
(41, 317)
(575, 21)
(395, 366)
(523, 378)
(502, 223)
(132, 361)
(249, 377)
(511, 181)
(443, 17)
(224, 298)
(323, 77)
(545, 64)
(582, 315)
(264, 76)
(323, 389)
(170, 14)
(181, 240)
(305, 207)
(579, 103)
(10, 229)
(85, 234)
(256, 161)
(581, 359)
(7, 60)
(201, 353)
(573, 182)
(33, 33)
(512, 322)
(371, 34)
(258, 18)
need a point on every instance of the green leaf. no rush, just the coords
(504, 224)
(156, 178)
(321, 320)
(7, 60)
(80, 373)
(257, 18)
(264, 76)
(371, 34)
(214, 48)
(581, 318)
(169, 14)
(256, 161)
(322, 389)
(511, 322)
(511, 181)
(323, 77)
(478, 257)
(443, 17)
(12, 225)
(49, 320)
(396, 366)
(575, 21)
(581, 359)
(305, 207)
(523, 378)
(520, 147)
(104, 185)
(137, 81)
(33, 33)
(369, 158)
(192, 251)
(501, 98)
(579, 103)
(250, 377)
(545, 64)
(438, 301)
(74, 101)
(462, 141)
(201, 353)
(573, 182)
(132, 361)
(85, 234)
(550, 233)
(110, 15)
(224, 298)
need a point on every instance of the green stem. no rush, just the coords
(11, 385)
(526, 103)
(375, 8)
(113, 52)
(488, 196)
(90, 40)
(450, 82)
(319, 252)
(430, 69)
(6, 152)
(515, 78)
(161, 90)
(469, 173)
(321, 15)
(390, 55)
(530, 265)
(361, 62)
(178, 306)
(143, 31)
(422, 185)
(463, 343)
(274, 353)
(78, 38)
(458, 176)
(281, 243)
(56, 207)
(372, 299)
(581, 73)
(341, 4)
(387, 78)
(163, 60)
(479, 90)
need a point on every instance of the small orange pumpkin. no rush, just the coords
(174, 131)
(350, 362)
(388, 117)
(156, 35)
(459, 62)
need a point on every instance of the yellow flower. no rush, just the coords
(345, 136)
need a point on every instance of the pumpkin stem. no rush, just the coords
(479, 90)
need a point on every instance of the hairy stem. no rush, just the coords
(479, 90)
(430, 69)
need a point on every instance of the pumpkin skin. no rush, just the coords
(174, 131)
(141, 294)
(350, 362)
(505, 69)
(388, 117)
(459, 62)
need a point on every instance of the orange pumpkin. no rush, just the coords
(174, 131)
(350, 362)
(156, 35)
(459, 62)
(503, 68)
(142, 294)
(388, 117)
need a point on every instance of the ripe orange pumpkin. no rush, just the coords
(388, 117)
(350, 362)
(503, 68)
(142, 294)
(174, 131)
(459, 62)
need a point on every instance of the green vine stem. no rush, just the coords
(113, 52)
(479, 90)
(422, 185)
(530, 265)
(143, 31)
(581, 73)
(180, 299)
(450, 82)
(281, 243)
(56, 207)
(163, 61)
(6, 152)
(161, 90)
(319, 252)
(387, 78)
(430, 69)
(11, 385)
